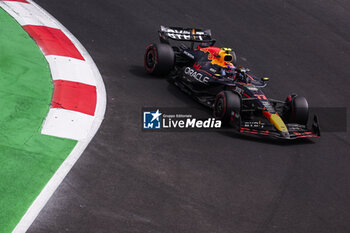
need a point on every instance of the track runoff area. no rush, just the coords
(52, 103)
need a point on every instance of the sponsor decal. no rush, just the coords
(260, 96)
(252, 88)
(238, 90)
(184, 34)
(189, 55)
(196, 66)
(268, 106)
(196, 75)
(213, 70)
(254, 124)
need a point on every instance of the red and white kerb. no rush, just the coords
(74, 98)
(79, 98)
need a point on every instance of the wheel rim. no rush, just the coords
(150, 59)
(219, 108)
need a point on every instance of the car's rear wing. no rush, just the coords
(185, 34)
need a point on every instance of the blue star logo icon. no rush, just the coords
(151, 119)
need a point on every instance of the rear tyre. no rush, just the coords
(159, 59)
(296, 110)
(227, 107)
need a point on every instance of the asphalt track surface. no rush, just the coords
(131, 181)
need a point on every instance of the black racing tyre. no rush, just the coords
(227, 104)
(297, 110)
(159, 59)
(300, 110)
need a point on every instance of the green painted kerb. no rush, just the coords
(27, 159)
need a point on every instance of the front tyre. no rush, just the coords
(159, 59)
(227, 107)
(296, 110)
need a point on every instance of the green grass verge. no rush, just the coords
(27, 159)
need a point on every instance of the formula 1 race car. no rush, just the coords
(210, 74)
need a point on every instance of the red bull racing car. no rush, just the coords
(210, 74)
